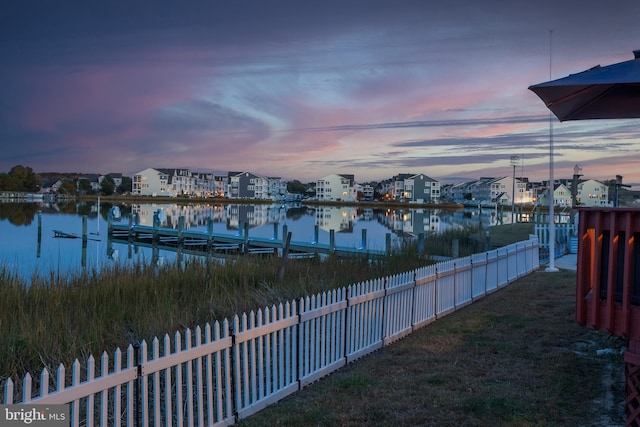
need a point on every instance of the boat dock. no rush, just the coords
(242, 243)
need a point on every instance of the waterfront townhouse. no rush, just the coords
(367, 190)
(592, 193)
(277, 188)
(247, 185)
(453, 192)
(421, 189)
(561, 196)
(181, 182)
(336, 188)
(150, 182)
(172, 183)
(396, 187)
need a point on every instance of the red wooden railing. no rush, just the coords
(608, 285)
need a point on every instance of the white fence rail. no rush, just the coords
(223, 372)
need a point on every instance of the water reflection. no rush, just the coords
(22, 236)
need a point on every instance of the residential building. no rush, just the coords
(93, 179)
(116, 177)
(368, 191)
(490, 190)
(277, 188)
(151, 182)
(592, 193)
(561, 196)
(336, 188)
(247, 185)
(421, 189)
(174, 183)
(51, 185)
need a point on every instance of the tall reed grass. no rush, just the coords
(58, 319)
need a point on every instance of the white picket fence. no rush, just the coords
(226, 371)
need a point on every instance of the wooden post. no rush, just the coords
(285, 256)
(84, 228)
(180, 230)
(275, 231)
(39, 233)
(245, 227)
(156, 224)
(84, 241)
(332, 239)
(316, 231)
(388, 244)
(209, 234)
(420, 243)
(130, 228)
(109, 221)
(364, 238)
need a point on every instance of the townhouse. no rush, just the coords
(336, 187)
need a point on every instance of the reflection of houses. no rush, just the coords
(193, 215)
(253, 215)
(414, 221)
(411, 221)
(336, 188)
(333, 218)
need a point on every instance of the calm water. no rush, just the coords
(29, 246)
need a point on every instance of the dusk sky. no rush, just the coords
(302, 89)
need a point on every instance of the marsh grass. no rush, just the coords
(56, 319)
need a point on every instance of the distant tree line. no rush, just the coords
(24, 179)
(20, 178)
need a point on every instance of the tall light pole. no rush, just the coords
(514, 162)
(552, 224)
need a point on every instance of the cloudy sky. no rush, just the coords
(305, 88)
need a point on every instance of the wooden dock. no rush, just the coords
(242, 243)
(64, 235)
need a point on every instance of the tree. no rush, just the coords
(85, 186)
(20, 178)
(67, 187)
(108, 186)
(296, 187)
(9, 183)
(125, 186)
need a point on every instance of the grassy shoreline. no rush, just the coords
(58, 319)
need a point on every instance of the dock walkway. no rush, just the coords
(207, 241)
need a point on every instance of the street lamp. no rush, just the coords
(515, 160)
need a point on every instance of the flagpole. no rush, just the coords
(552, 224)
